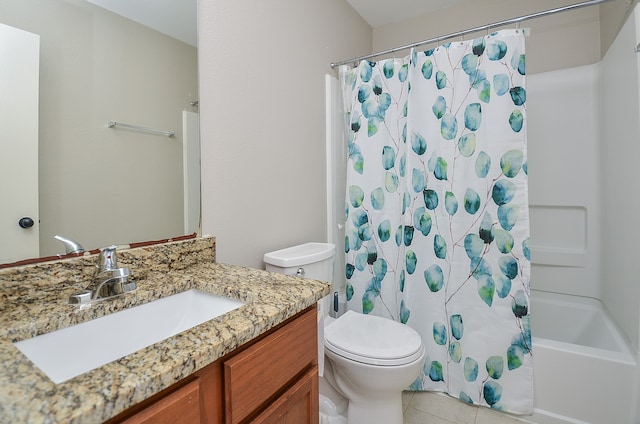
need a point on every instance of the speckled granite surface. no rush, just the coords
(33, 301)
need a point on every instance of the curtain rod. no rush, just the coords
(476, 29)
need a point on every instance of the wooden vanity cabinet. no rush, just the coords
(273, 379)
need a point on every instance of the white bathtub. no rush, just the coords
(584, 370)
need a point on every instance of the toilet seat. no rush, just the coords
(373, 340)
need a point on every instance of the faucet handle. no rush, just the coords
(107, 259)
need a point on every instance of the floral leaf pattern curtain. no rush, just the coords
(437, 221)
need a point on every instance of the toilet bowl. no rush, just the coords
(370, 360)
(373, 360)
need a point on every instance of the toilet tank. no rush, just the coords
(310, 260)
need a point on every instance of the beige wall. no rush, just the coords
(97, 185)
(558, 41)
(262, 67)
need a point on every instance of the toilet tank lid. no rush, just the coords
(302, 254)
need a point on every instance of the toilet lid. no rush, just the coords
(373, 340)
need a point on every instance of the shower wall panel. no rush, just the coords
(563, 109)
(620, 152)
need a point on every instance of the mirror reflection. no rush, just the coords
(96, 184)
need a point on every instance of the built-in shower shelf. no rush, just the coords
(558, 257)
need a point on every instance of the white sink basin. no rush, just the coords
(71, 351)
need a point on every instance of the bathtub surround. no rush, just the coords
(578, 247)
(620, 131)
(437, 194)
(34, 302)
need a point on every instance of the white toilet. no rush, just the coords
(370, 360)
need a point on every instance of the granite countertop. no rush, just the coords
(33, 301)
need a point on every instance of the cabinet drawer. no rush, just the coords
(264, 369)
(181, 406)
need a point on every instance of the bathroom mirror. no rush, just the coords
(102, 185)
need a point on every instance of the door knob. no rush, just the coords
(25, 222)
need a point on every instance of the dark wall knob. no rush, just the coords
(25, 222)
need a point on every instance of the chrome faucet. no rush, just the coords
(70, 246)
(108, 281)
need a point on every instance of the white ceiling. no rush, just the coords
(381, 12)
(175, 18)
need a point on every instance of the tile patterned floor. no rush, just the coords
(437, 408)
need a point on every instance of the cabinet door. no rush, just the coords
(257, 374)
(179, 407)
(298, 405)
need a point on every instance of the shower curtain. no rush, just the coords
(437, 221)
